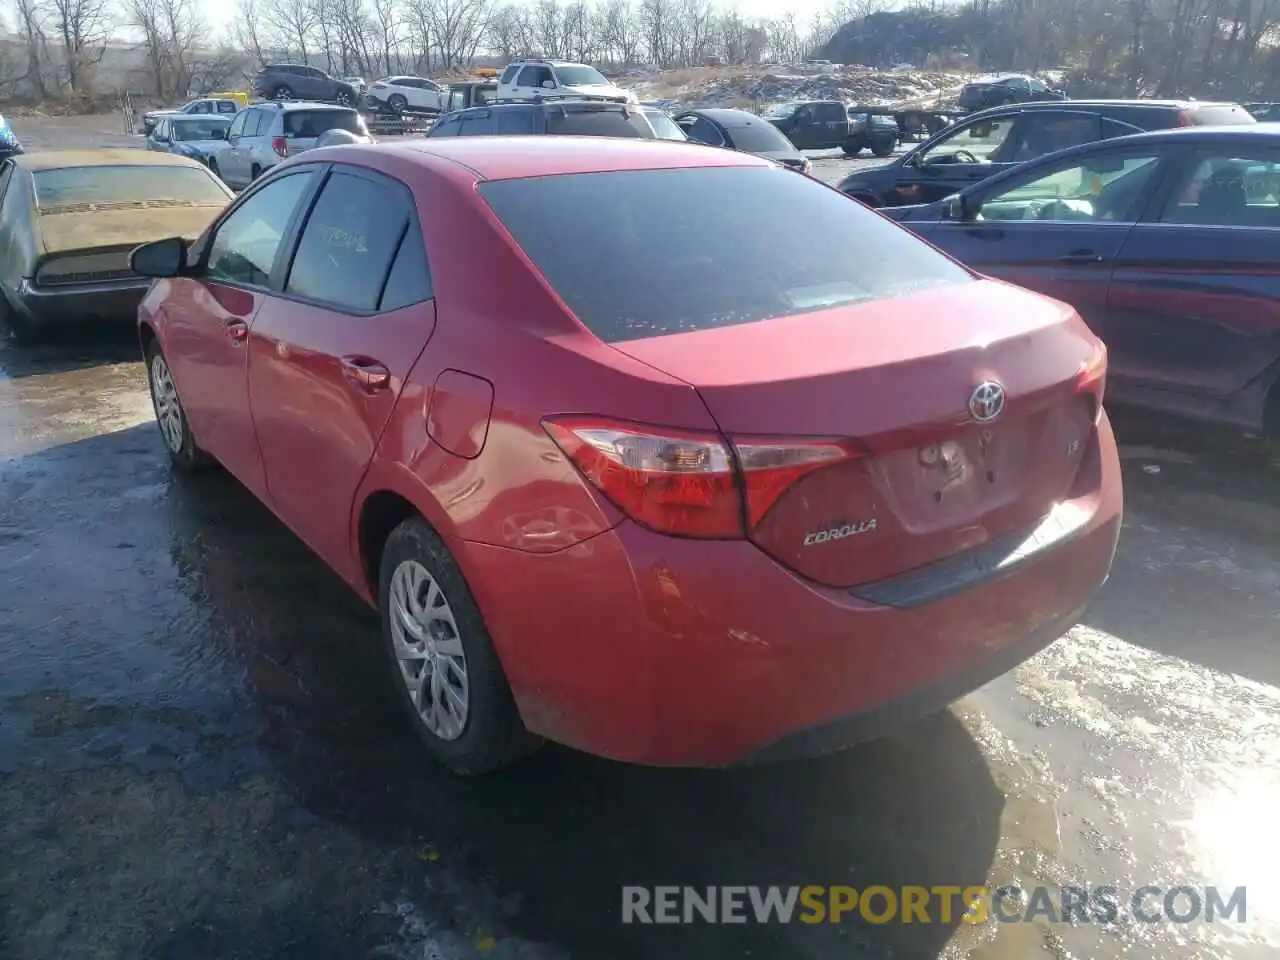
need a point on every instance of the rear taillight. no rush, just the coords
(689, 483)
(1185, 119)
(1092, 377)
(279, 146)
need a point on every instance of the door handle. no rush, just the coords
(1081, 256)
(369, 375)
(237, 330)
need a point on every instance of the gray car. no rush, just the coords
(290, 81)
(267, 133)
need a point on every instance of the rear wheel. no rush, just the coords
(255, 172)
(282, 92)
(442, 659)
(184, 453)
(884, 148)
(343, 98)
(397, 103)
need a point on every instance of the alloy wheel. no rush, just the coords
(164, 395)
(428, 650)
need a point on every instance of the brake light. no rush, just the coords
(279, 146)
(684, 482)
(1092, 377)
(1184, 119)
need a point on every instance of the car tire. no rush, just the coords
(213, 167)
(884, 148)
(851, 148)
(21, 331)
(397, 102)
(184, 453)
(344, 99)
(282, 92)
(867, 200)
(255, 172)
(481, 730)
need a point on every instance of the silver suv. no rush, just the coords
(267, 133)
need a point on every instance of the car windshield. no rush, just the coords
(205, 129)
(664, 126)
(758, 138)
(780, 111)
(64, 186)
(580, 76)
(312, 123)
(682, 232)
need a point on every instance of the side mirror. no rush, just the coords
(548, 84)
(160, 258)
(980, 131)
(959, 208)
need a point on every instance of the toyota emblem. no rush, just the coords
(987, 401)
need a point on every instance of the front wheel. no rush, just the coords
(442, 659)
(343, 98)
(282, 92)
(184, 453)
(397, 103)
(884, 148)
(852, 147)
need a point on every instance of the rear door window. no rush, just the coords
(704, 131)
(410, 278)
(476, 125)
(515, 121)
(1047, 131)
(682, 231)
(1228, 188)
(597, 123)
(348, 242)
(448, 127)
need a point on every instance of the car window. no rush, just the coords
(410, 279)
(682, 231)
(758, 138)
(1047, 131)
(515, 121)
(781, 111)
(246, 243)
(598, 123)
(973, 142)
(201, 106)
(509, 74)
(6, 177)
(663, 125)
(238, 124)
(580, 76)
(347, 244)
(126, 183)
(1101, 187)
(211, 128)
(1037, 86)
(257, 121)
(476, 125)
(1228, 188)
(533, 76)
(825, 112)
(447, 127)
(226, 106)
(309, 124)
(704, 131)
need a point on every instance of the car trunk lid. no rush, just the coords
(898, 383)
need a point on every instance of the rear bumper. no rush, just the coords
(115, 301)
(654, 650)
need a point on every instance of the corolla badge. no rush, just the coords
(987, 401)
(840, 533)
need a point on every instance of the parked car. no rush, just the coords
(470, 93)
(219, 106)
(579, 118)
(357, 84)
(297, 81)
(267, 133)
(10, 145)
(69, 219)
(522, 79)
(1018, 88)
(641, 510)
(197, 137)
(828, 125)
(739, 130)
(1264, 112)
(404, 94)
(1168, 244)
(991, 141)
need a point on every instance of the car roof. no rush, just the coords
(737, 118)
(507, 158)
(113, 157)
(284, 106)
(1256, 132)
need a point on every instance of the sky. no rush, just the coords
(221, 13)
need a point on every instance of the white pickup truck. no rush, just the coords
(221, 106)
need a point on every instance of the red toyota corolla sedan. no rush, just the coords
(662, 452)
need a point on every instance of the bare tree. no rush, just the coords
(83, 28)
(32, 22)
(294, 22)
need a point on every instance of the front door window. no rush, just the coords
(975, 142)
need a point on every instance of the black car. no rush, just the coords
(739, 130)
(297, 81)
(1006, 90)
(1168, 245)
(986, 143)
(563, 117)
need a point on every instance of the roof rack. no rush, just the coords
(555, 97)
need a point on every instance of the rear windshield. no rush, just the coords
(759, 138)
(597, 123)
(125, 184)
(1225, 114)
(691, 249)
(312, 123)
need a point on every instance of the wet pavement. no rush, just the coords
(199, 755)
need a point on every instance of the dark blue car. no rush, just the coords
(1167, 243)
(9, 143)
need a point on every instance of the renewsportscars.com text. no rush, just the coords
(936, 904)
